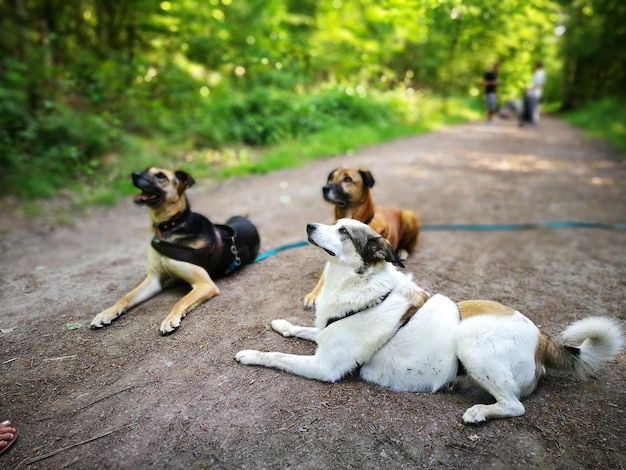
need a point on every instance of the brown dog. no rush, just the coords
(350, 192)
(186, 245)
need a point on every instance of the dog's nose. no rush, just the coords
(136, 175)
(310, 228)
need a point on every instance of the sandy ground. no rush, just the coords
(125, 397)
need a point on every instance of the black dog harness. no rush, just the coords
(376, 303)
(217, 259)
(406, 317)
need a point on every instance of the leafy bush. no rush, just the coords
(267, 116)
(43, 152)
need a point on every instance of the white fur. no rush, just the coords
(499, 355)
(420, 357)
(498, 350)
(600, 338)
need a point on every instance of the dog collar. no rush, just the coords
(376, 303)
(170, 224)
(369, 219)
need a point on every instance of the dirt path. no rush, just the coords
(125, 397)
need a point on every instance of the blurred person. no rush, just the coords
(534, 93)
(491, 82)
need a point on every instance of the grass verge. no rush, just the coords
(605, 119)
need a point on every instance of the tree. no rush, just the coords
(593, 50)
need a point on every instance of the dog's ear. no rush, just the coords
(379, 249)
(330, 175)
(368, 179)
(185, 179)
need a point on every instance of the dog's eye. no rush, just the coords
(161, 175)
(343, 230)
(347, 179)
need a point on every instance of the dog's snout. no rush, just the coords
(136, 175)
(310, 228)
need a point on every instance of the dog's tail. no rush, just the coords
(599, 340)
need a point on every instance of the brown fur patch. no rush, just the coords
(554, 355)
(470, 308)
(418, 300)
(408, 314)
(542, 346)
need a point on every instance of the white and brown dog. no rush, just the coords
(372, 318)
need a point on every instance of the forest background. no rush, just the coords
(92, 89)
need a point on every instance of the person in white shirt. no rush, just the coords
(535, 91)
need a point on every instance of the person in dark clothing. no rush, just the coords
(490, 82)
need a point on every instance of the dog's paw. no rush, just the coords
(169, 325)
(248, 357)
(100, 321)
(96, 325)
(309, 300)
(475, 415)
(403, 254)
(283, 327)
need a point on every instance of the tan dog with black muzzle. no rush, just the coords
(349, 190)
(186, 246)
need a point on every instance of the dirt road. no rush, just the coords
(127, 398)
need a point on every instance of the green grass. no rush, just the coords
(605, 119)
(337, 141)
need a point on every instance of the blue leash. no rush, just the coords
(553, 224)
(273, 251)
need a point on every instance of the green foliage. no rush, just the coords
(259, 117)
(43, 152)
(594, 57)
(605, 119)
(264, 116)
(329, 137)
(82, 80)
(338, 138)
